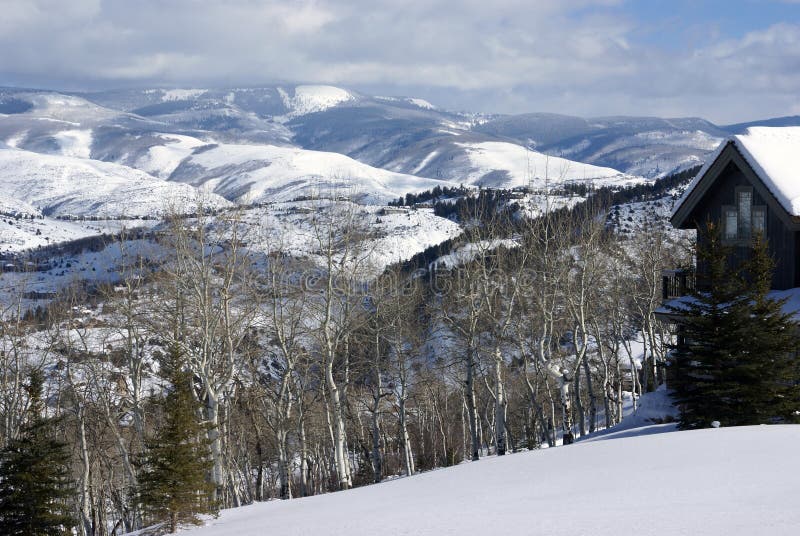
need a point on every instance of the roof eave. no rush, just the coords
(697, 188)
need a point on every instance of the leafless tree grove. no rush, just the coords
(319, 373)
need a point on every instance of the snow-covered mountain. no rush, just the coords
(70, 186)
(507, 165)
(646, 146)
(263, 173)
(277, 143)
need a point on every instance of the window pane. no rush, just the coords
(731, 224)
(759, 220)
(745, 218)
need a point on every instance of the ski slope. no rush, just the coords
(730, 481)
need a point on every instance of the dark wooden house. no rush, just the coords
(751, 185)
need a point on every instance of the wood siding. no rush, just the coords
(784, 243)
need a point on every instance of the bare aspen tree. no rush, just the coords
(650, 251)
(583, 285)
(14, 360)
(406, 333)
(542, 320)
(461, 309)
(337, 311)
(500, 285)
(282, 317)
(204, 316)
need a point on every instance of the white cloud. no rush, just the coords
(571, 56)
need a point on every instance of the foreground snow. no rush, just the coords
(707, 482)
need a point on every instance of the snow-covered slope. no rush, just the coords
(647, 146)
(19, 235)
(258, 173)
(162, 158)
(726, 482)
(66, 108)
(506, 165)
(310, 99)
(389, 236)
(60, 185)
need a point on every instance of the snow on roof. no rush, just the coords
(774, 155)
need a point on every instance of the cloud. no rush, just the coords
(573, 56)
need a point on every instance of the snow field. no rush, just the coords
(392, 237)
(162, 160)
(729, 481)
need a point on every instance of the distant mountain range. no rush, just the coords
(279, 142)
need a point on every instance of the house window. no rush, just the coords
(731, 224)
(745, 206)
(759, 220)
(742, 220)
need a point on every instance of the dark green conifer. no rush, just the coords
(766, 369)
(736, 365)
(35, 483)
(173, 484)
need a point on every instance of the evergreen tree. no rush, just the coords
(736, 365)
(766, 371)
(35, 484)
(173, 485)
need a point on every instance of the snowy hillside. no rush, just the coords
(60, 185)
(401, 134)
(506, 165)
(17, 235)
(67, 108)
(726, 482)
(260, 173)
(310, 99)
(389, 237)
(647, 146)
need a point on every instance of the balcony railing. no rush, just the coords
(677, 283)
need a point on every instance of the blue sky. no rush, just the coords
(705, 20)
(726, 61)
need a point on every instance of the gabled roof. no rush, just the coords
(773, 153)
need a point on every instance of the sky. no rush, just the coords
(727, 61)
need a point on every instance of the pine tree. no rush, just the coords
(35, 484)
(736, 365)
(173, 484)
(766, 371)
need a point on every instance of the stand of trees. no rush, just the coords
(266, 375)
